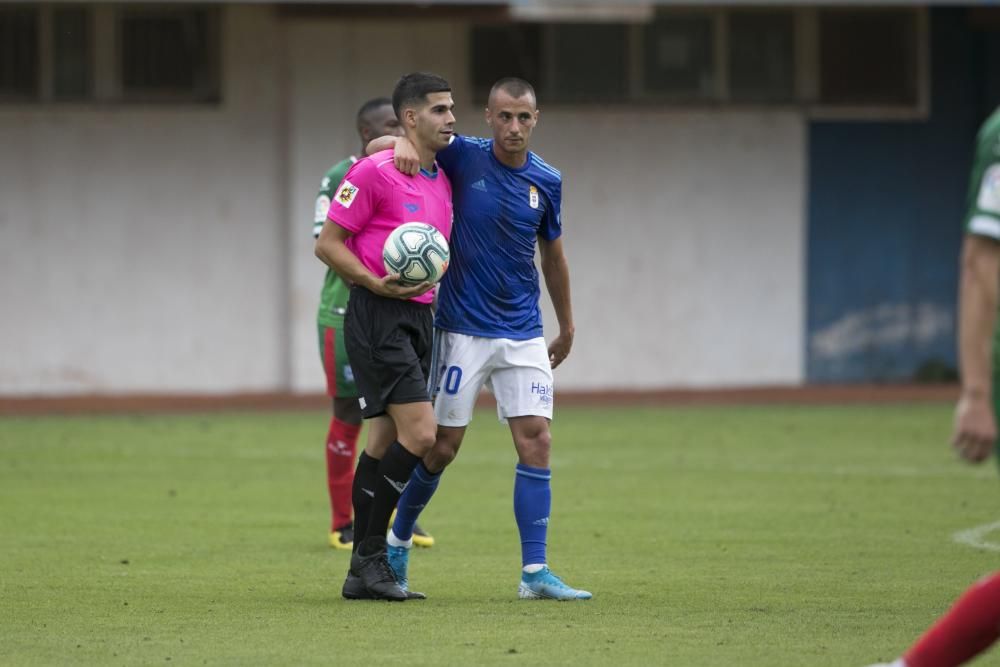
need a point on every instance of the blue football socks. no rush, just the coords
(532, 504)
(423, 483)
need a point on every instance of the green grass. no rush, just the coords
(716, 536)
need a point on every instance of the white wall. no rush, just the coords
(137, 244)
(685, 234)
(162, 249)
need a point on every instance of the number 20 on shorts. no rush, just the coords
(452, 379)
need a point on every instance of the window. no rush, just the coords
(854, 62)
(868, 57)
(762, 56)
(72, 55)
(18, 53)
(589, 62)
(499, 51)
(679, 56)
(166, 54)
(50, 53)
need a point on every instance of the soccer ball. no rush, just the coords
(417, 252)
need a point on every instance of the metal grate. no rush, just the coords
(72, 49)
(168, 53)
(19, 53)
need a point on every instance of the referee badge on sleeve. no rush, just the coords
(533, 197)
(346, 194)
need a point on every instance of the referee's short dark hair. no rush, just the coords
(413, 89)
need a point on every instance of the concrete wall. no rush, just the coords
(137, 244)
(685, 238)
(164, 249)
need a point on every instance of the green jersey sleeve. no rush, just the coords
(983, 202)
(331, 179)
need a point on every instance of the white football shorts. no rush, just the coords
(516, 371)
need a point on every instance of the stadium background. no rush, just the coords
(157, 240)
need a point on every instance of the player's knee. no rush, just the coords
(533, 446)
(542, 441)
(420, 440)
(538, 436)
(441, 455)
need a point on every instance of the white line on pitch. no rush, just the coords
(975, 537)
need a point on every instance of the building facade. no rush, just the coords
(743, 204)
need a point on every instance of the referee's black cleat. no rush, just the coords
(354, 588)
(371, 565)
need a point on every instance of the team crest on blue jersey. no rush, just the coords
(533, 197)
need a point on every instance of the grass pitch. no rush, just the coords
(714, 536)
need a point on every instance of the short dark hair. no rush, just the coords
(514, 87)
(414, 88)
(369, 106)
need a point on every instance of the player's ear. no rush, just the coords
(410, 117)
(489, 118)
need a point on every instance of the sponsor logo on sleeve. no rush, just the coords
(533, 197)
(989, 190)
(322, 208)
(345, 196)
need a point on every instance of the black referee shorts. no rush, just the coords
(389, 347)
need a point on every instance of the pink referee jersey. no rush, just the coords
(375, 198)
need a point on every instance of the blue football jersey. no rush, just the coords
(491, 287)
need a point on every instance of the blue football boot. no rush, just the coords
(545, 585)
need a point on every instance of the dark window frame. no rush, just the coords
(17, 85)
(803, 68)
(205, 86)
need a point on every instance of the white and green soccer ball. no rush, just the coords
(416, 251)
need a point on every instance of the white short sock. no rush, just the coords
(394, 541)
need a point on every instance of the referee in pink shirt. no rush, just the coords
(388, 325)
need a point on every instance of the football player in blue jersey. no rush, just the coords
(488, 324)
